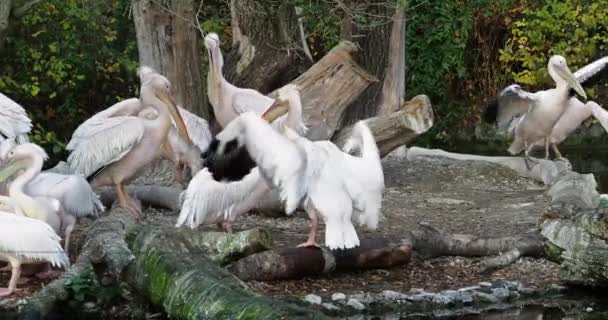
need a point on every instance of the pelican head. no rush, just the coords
(5, 147)
(212, 40)
(280, 105)
(212, 43)
(161, 88)
(145, 73)
(20, 157)
(558, 70)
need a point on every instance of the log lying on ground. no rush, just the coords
(191, 286)
(545, 171)
(294, 263)
(328, 88)
(575, 189)
(399, 128)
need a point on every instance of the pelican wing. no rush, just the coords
(14, 122)
(585, 73)
(128, 107)
(30, 239)
(513, 102)
(198, 129)
(599, 113)
(250, 100)
(111, 141)
(206, 200)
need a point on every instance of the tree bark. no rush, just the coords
(328, 87)
(5, 12)
(266, 46)
(398, 128)
(372, 37)
(295, 263)
(393, 86)
(168, 42)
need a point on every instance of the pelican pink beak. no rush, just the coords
(177, 116)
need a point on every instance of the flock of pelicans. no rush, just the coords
(261, 152)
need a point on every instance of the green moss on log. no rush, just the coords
(192, 286)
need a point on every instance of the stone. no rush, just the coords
(470, 288)
(338, 296)
(501, 293)
(442, 298)
(421, 297)
(484, 297)
(89, 305)
(330, 306)
(391, 295)
(356, 304)
(589, 309)
(313, 299)
(416, 290)
(485, 284)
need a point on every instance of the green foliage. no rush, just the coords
(321, 20)
(578, 30)
(86, 288)
(67, 59)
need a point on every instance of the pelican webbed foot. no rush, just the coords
(309, 244)
(530, 162)
(5, 292)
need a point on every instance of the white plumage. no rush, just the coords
(207, 200)
(337, 186)
(14, 122)
(24, 240)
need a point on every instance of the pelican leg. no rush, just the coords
(227, 227)
(558, 155)
(527, 158)
(314, 225)
(69, 222)
(12, 284)
(546, 148)
(125, 201)
(180, 167)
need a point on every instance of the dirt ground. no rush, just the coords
(461, 197)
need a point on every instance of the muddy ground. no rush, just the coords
(461, 197)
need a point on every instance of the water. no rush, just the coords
(584, 159)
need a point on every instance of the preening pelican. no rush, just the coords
(532, 116)
(24, 240)
(576, 113)
(227, 100)
(209, 198)
(327, 181)
(113, 150)
(14, 122)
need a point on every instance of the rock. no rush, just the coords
(391, 295)
(313, 299)
(89, 305)
(443, 299)
(470, 288)
(447, 201)
(416, 290)
(510, 285)
(356, 304)
(358, 296)
(330, 306)
(338, 296)
(589, 309)
(528, 291)
(485, 284)
(421, 297)
(501, 293)
(484, 297)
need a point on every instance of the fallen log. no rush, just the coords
(328, 88)
(295, 263)
(191, 286)
(399, 128)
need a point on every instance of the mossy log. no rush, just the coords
(399, 128)
(295, 263)
(191, 286)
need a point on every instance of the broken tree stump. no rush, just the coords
(192, 286)
(295, 263)
(399, 128)
(328, 88)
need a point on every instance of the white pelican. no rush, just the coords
(112, 150)
(327, 181)
(14, 122)
(24, 240)
(576, 113)
(227, 100)
(532, 116)
(208, 200)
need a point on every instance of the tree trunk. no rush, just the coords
(5, 12)
(372, 37)
(295, 263)
(191, 286)
(267, 47)
(398, 128)
(168, 42)
(328, 87)
(393, 86)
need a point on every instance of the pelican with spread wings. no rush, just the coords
(531, 116)
(111, 148)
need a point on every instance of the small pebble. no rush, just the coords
(589, 309)
(485, 284)
(330, 306)
(313, 299)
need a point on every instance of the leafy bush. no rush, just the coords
(66, 60)
(578, 30)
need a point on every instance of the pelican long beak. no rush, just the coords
(567, 75)
(277, 109)
(179, 121)
(11, 168)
